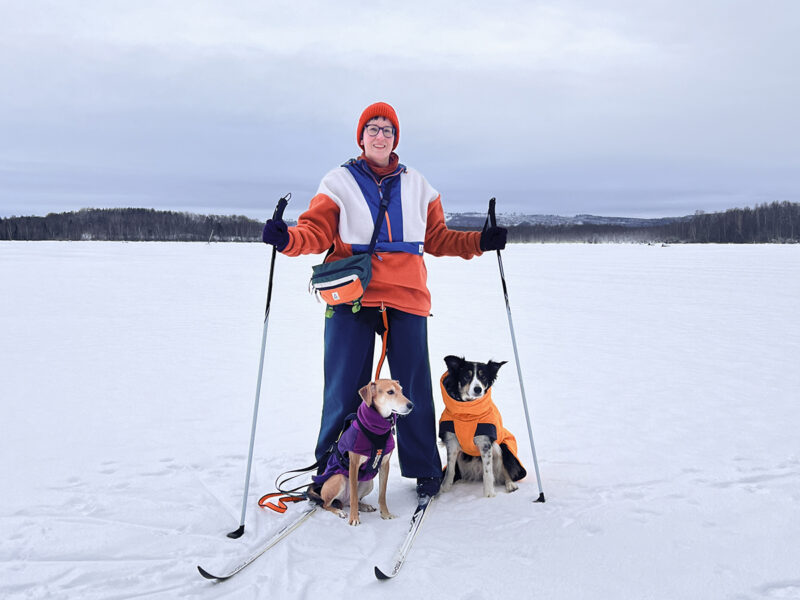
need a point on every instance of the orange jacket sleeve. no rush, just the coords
(441, 241)
(316, 228)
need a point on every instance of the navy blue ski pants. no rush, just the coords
(349, 350)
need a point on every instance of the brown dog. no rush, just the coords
(350, 471)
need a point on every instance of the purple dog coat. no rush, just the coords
(355, 440)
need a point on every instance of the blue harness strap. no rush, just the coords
(386, 190)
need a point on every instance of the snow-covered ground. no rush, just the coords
(663, 384)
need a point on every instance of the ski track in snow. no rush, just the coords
(662, 383)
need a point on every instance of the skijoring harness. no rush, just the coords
(379, 444)
(359, 433)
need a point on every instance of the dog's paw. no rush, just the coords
(341, 514)
(489, 493)
(387, 515)
(511, 486)
(447, 486)
(354, 520)
(364, 507)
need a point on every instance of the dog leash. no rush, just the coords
(287, 495)
(284, 496)
(280, 506)
(384, 335)
(291, 495)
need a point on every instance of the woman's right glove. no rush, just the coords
(493, 238)
(276, 232)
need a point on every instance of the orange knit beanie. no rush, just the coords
(379, 109)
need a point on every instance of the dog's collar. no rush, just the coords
(369, 418)
(448, 380)
(472, 408)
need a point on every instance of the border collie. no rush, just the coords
(478, 447)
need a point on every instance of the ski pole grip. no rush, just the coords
(492, 217)
(278, 214)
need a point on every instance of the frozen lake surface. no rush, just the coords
(663, 385)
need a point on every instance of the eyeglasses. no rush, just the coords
(372, 131)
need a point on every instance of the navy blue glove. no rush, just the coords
(493, 238)
(276, 232)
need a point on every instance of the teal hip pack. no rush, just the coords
(344, 281)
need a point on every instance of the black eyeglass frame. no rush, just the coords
(378, 128)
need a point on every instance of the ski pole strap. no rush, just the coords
(492, 217)
(384, 335)
(280, 506)
(281, 206)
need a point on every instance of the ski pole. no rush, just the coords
(278, 214)
(493, 219)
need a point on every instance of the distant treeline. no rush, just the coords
(131, 224)
(775, 223)
(778, 222)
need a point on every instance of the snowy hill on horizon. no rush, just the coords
(476, 220)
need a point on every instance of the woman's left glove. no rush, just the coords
(493, 238)
(276, 232)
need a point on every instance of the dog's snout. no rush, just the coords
(477, 390)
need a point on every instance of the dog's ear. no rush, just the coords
(368, 393)
(453, 363)
(493, 368)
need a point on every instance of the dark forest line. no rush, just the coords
(133, 225)
(775, 223)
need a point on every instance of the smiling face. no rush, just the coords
(378, 148)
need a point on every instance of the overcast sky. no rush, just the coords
(627, 107)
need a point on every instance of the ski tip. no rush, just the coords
(540, 498)
(208, 575)
(381, 575)
(235, 535)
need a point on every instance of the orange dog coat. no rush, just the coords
(478, 417)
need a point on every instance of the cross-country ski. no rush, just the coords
(400, 556)
(269, 544)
